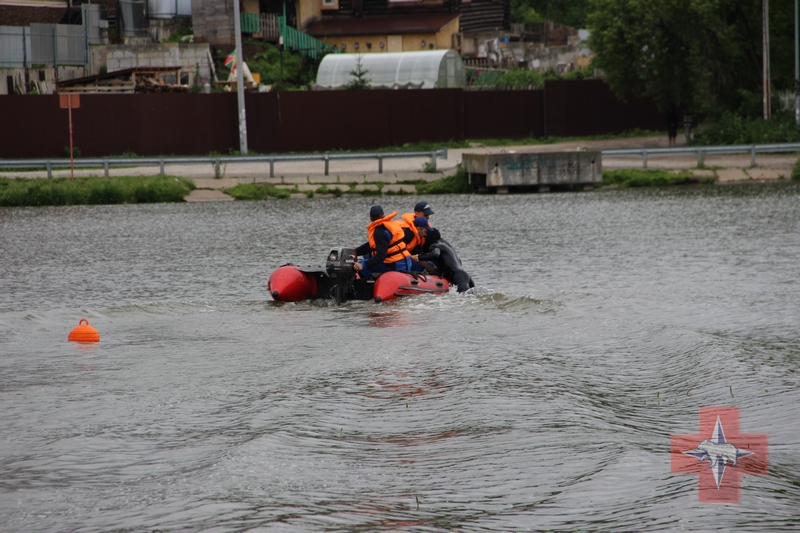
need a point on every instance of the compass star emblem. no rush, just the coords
(718, 452)
(739, 452)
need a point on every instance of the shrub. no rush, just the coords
(634, 177)
(796, 171)
(521, 78)
(458, 183)
(256, 191)
(736, 129)
(336, 191)
(94, 190)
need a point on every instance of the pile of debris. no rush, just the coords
(131, 80)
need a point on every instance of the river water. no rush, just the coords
(601, 324)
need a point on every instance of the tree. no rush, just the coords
(700, 55)
(572, 13)
(360, 79)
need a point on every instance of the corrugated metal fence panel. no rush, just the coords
(71, 45)
(157, 124)
(263, 122)
(426, 115)
(589, 107)
(365, 120)
(49, 44)
(330, 120)
(196, 124)
(12, 46)
(498, 114)
(33, 126)
(43, 38)
(146, 124)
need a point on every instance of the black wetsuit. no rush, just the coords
(408, 236)
(443, 255)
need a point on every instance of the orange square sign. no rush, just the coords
(69, 100)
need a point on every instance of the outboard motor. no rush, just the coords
(340, 268)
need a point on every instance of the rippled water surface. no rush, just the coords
(602, 322)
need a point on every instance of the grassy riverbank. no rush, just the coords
(94, 190)
(257, 191)
(636, 177)
(455, 184)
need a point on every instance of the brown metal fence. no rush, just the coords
(196, 124)
(588, 107)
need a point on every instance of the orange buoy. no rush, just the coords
(83, 332)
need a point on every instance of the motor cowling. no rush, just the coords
(339, 265)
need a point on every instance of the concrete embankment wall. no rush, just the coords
(193, 124)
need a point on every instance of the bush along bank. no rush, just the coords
(93, 190)
(257, 191)
(634, 177)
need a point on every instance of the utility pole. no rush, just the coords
(237, 25)
(765, 55)
(796, 68)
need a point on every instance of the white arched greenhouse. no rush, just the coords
(435, 69)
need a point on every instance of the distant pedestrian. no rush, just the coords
(672, 125)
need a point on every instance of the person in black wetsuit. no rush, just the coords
(442, 254)
(422, 228)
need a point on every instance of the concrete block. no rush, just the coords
(112, 65)
(205, 195)
(334, 186)
(426, 176)
(342, 177)
(768, 174)
(410, 189)
(295, 179)
(531, 168)
(212, 183)
(366, 187)
(322, 178)
(268, 180)
(157, 62)
(731, 174)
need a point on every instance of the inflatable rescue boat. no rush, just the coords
(337, 280)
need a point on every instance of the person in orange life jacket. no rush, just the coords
(414, 242)
(442, 254)
(385, 246)
(417, 234)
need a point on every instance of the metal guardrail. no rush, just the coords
(216, 161)
(703, 151)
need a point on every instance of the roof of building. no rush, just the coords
(31, 13)
(389, 25)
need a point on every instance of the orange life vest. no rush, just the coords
(397, 248)
(408, 223)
